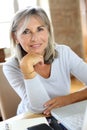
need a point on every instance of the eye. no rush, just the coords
(26, 31)
(40, 29)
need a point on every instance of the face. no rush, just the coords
(35, 36)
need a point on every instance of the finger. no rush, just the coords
(48, 103)
(52, 106)
(38, 60)
(48, 110)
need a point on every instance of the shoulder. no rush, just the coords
(63, 49)
(67, 55)
(11, 63)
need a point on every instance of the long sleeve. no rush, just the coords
(15, 77)
(32, 91)
(78, 67)
(36, 94)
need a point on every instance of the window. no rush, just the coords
(7, 10)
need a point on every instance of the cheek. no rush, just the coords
(22, 43)
(21, 40)
(45, 37)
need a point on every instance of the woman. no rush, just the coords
(40, 70)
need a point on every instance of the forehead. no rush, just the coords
(31, 20)
(34, 20)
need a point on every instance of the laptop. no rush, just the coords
(72, 116)
(84, 126)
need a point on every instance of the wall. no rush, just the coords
(66, 19)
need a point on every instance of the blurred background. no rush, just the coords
(68, 17)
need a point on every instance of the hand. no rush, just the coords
(54, 103)
(29, 61)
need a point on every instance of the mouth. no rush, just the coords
(35, 46)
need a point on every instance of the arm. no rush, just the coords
(14, 76)
(27, 64)
(79, 69)
(65, 100)
(30, 90)
(36, 94)
(35, 90)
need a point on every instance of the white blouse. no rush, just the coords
(35, 92)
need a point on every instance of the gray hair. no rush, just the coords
(24, 14)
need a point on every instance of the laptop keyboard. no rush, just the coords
(75, 122)
(71, 116)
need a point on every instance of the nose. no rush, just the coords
(34, 37)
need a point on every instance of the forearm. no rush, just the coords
(28, 71)
(61, 101)
(36, 94)
(77, 96)
(29, 75)
(28, 63)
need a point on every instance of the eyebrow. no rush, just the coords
(42, 26)
(37, 27)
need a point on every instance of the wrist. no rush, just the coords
(30, 75)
